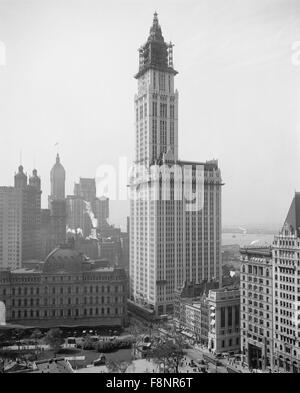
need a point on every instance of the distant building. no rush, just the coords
(20, 220)
(191, 310)
(57, 180)
(101, 207)
(57, 206)
(58, 217)
(76, 214)
(286, 287)
(124, 257)
(88, 247)
(110, 249)
(46, 241)
(224, 320)
(11, 225)
(85, 211)
(257, 307)
(68, 289)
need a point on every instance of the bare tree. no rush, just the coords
(138, 334)
(169, 354)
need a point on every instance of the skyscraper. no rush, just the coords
(20, 220)
(57, 205)
(175, 226)
(57, 180)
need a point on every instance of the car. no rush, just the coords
(100, 361)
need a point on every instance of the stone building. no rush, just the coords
(257, 307)
(68, 289)
(191, 310)
(20, 220)
(286, 290)
(224, 320)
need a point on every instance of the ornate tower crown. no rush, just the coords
(156, 54)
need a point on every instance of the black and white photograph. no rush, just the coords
(150, 189)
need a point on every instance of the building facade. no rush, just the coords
(20, 220)
(224, 320)
(257, 307)
(170, 241)
(58, 180)
(286, 289)
(191, 310)
(68, 289)
(57, 206)
(86, 212)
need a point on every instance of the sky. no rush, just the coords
(66, 76)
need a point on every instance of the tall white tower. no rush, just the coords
(156, 103)
(169, 244)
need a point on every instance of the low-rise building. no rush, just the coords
(224, 320)
(191, 310)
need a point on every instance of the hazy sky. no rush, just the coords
(68, 78)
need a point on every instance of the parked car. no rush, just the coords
(100, 361)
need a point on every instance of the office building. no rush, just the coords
(286, 290)
(257, 307)
(20, 220)
(173, 238)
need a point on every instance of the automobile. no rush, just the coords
(100, 361)
(219, 356)
(70, 342)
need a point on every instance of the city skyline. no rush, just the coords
(62, 91)
(157, 228)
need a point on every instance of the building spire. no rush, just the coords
(57, 158)
(156, 53)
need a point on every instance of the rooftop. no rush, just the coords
(292, 221)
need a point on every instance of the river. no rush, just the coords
(244, 239)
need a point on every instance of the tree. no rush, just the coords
(138, 335)
(115, 366)
(54, 338)
(17, 334)
(169, 354)
(36, 334)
